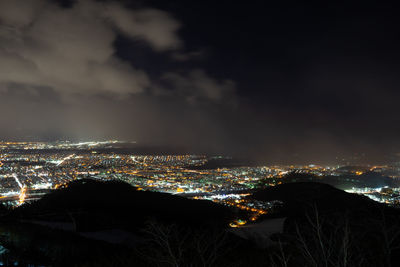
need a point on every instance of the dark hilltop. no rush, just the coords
(93, 223)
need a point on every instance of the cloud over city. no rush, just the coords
(60, 72)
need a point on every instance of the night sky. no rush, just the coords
(273, 80)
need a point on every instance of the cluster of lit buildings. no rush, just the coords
(386, 195)
(30, 169)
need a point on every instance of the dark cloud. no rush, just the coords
(197, 85)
